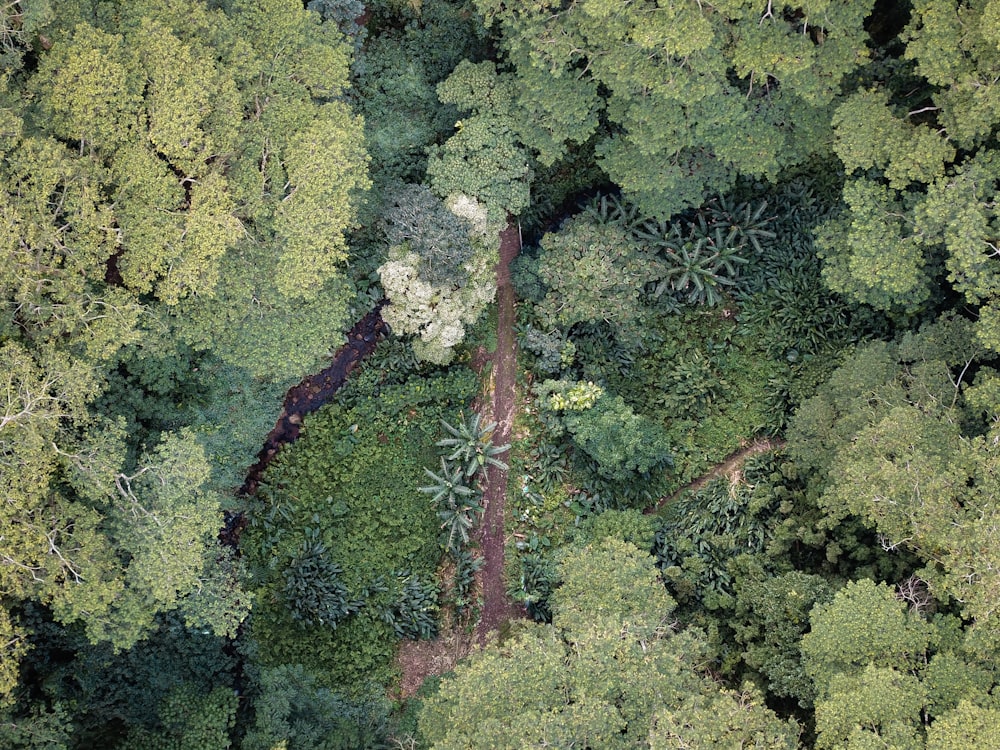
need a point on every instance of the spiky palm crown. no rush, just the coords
(472, 444)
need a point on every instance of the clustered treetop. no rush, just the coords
(171, 172)
(694, 93)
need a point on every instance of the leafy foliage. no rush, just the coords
(293, 710)
(455, 503)
(595, 677)
(700, 534)
(409, 50)
(100, 695)
(414, 614)
(680, 98)
(371, 522)
(313, 590)
(922, 171)
(473, 445)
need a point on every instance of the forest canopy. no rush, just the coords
(648, 365)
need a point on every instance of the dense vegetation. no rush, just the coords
(758, 229)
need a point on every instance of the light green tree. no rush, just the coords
(883, 674)
(600, 676)
(171, 173)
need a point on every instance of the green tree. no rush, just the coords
(878, 678)
(728, 719)
(594, 273)
(693, 94)
(771, 614)
(441, 238)
(599, 676)
(922, 170)
(967, 725)
(484, 158)
(190, 720)
(624, 445)
(18, 23)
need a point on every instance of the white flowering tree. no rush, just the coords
(435, 307)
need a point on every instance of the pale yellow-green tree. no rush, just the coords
(170, 170)
(612, 671)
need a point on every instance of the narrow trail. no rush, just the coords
(732, 462)
(497, 608)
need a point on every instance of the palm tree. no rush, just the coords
(456, 503)
(472, 444)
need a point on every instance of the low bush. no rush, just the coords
(341, 545)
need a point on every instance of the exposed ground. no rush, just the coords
(497, 608)
(418, 659)
(726, 469)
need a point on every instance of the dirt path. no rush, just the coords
(734, 461)
(497, 608)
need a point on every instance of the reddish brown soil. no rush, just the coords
(725, 469)
(418, 660)
(497, 608)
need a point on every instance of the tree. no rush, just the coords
(692, 93)
(922, 170)
(439, 275)
(730, 718)
(624, 445)
(599, 676)
(483, 159)
(877, 675)
(161, 523)
(967, 725)
(18, 23)
(292, 710)
(771, 615)
(594, 273)
(190, 720)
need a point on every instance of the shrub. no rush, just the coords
(292, 709)
(350, 481)
(313, 590)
